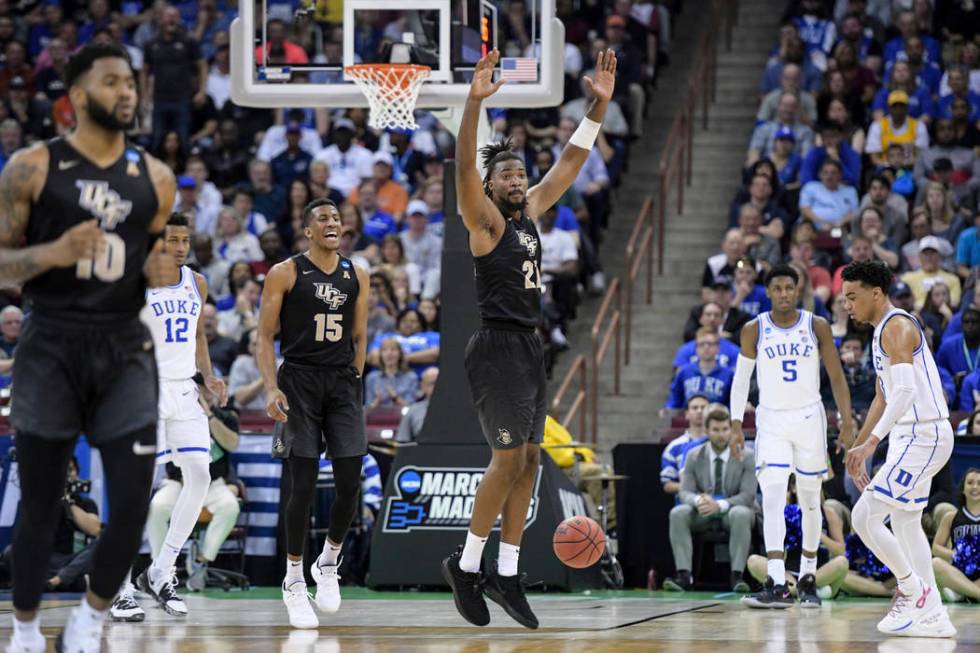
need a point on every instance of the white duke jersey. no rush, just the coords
(171, 314)
(929, 403)
(787, 363)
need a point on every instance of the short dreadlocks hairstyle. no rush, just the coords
(494, 153)
(872, 274)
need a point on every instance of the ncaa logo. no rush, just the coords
(409, 482)
(330, 295)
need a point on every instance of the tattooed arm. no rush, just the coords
(20, 184)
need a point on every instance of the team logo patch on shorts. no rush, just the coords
(503, 437)
(279, 446)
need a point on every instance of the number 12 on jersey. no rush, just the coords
(328, 327)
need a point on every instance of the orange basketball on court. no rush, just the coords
(579, 542)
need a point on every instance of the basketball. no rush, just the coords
(579, 542)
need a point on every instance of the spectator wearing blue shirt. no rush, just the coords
(835, 147)
(969, 392)
(919, 99)
(959, 86)
(827, 203)
(393, 384)
(420, 345)
(786, 160)
(377, 223)
(295, 162)
(896, 49)
(818, 32)
(750, 295)
(968, 249)
(706, 377)
(926, 73)
(675, 454)
(11, 139)
(687, 354)
(960, 354)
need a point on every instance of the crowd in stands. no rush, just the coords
(865, 147)
(244, 174)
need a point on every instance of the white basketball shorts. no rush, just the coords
(182, 427)
(916, 453)
(790, 441)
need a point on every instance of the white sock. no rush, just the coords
(294, 572)
(777, 571)
(472, 553)
(87, 613)
(507, 559)
(808, 566)
(910, 585)
(27, 629)
(166, 559)
(330, 554)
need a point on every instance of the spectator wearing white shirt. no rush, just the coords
(207, 192)
(202, 218)
(233, 243)
(244, 314)
(219, 77)
(422, 247)
(274, 141)
(244, 379)
(559, 268)
(349, 162)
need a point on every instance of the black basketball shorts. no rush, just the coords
(99, 380)
(326, 413)
(506, 370)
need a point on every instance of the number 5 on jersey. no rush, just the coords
(329, 327)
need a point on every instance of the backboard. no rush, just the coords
(270, 40)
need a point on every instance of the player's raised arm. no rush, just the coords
(742, 382)
(546, 192)
(278, 282)
(479, 213)
(21, 180)
(361, 310)
(838, 383)
(202, 357)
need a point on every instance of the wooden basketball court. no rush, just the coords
(606, 622)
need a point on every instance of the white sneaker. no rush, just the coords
(598, 283)
(80, 635)
(906, 610)
(558, 338)
(951, 596)
(327, 579)
(26, 643)
(934, 624)
(124, 606)
(163, 590)
(298, 606)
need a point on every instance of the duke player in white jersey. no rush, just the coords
(910, 409)
(183, 437)
(786, 346)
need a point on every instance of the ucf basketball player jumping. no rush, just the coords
(504, 358)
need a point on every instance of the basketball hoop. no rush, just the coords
(391, 90)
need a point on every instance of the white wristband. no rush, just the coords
(585, 135)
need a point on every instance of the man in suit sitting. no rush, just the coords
(717, 493)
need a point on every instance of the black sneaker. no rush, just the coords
(806, 588)
(680, 583)
(467, 590)
(772, 596)
(165, 594)
(508, 593)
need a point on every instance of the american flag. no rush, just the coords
(519, 69)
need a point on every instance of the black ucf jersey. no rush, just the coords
(508, 279)
(122, 198)
(317, 315)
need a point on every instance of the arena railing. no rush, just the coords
(638, 249)
(602, 336)
(578, 408)
(676, 160)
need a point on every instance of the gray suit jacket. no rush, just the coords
(739, 480)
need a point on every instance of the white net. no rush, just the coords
(391, 91)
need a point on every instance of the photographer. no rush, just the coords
(74, 539)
